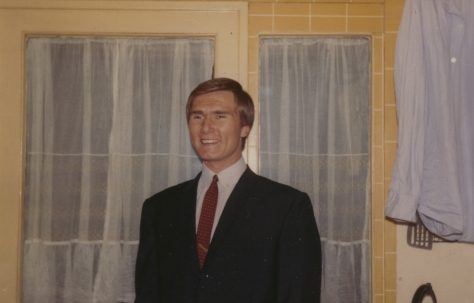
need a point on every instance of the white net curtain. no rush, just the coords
(314, 107)
(106, 129)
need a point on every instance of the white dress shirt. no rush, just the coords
(434, 169)
(228, 178)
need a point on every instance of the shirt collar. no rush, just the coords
(227, 177)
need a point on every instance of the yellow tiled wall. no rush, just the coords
(379, 19)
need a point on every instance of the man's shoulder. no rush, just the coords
(278, 197)
(273, 187)
(174, 191)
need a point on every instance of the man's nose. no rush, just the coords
(207, 124)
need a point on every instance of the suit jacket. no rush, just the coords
(265, 248)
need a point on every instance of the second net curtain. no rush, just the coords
(314, 106)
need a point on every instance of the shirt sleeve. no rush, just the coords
(410, 90)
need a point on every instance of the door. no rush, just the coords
(225, 22)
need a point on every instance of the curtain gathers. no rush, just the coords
(433, 174)
(106, 128)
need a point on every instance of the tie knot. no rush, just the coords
(215, 179)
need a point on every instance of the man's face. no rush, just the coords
(215, 130)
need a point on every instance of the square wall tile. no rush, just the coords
(328, 24)
(293, 1)
(365, 24)
(377, 92)
(333, 1)
(390, 150)
(377, 239)
(390, 296)
(284, 24)
(376, 10)
(390, 273)
(377, 54)
(378, 201)
(377, 164)
(253, 54)
(329, 9)
(386, 186)
(379, 299)
(390, 123)
(298, 9)
(390, 237)
(252, 86)
(390, 44)
(377, 128)
(389, 84)
(393, 14)
(260, 8)
(369, 1)
(378, 276)
(260, 24)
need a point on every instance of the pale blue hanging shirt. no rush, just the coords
(434, 77)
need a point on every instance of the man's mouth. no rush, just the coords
(208, 141)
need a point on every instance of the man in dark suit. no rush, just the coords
(228, 235)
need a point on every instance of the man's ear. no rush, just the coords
(244, 131)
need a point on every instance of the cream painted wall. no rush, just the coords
(449, 267)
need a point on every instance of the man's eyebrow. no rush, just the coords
(221, 112)
(215, 112)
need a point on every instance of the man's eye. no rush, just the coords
(221, 116)
(196, 117)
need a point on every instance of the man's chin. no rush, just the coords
(206, 154)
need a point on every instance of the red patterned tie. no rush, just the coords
(206, 221)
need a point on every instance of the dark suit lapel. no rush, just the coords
(188, 221)
(242, 192)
